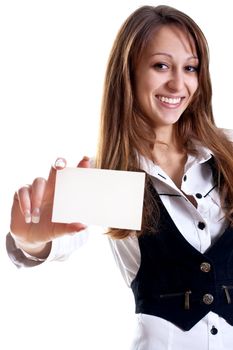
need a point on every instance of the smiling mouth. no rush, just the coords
(173, 101)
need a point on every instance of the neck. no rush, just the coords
(167, 139)
(169, 153)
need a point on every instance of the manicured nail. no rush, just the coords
(86, 158)
(36, 216)
(27, 216)
(60, 163)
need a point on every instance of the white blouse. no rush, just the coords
(155, 333)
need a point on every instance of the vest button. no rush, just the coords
(213, 330)
(198, 195)
(205, 267)
(208, 299)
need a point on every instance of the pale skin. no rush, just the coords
(166, 80)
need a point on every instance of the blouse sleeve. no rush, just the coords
(62, 248)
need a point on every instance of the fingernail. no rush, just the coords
(60, 163)
(36, 216)
(27, 216)
(86, 158)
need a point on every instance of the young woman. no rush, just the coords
(156, 117)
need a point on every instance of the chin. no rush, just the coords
(168, 121)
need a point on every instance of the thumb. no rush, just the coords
(84, 163)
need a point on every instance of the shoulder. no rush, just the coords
(228, 133)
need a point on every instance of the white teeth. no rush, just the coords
(171, 101)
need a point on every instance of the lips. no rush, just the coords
(172, 101)
(168, 101)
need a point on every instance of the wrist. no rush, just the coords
(38, 250)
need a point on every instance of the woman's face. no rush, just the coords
(166, 76)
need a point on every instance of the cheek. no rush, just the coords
(194, 86)
(147, 82)
(152, 82)
(142, 89)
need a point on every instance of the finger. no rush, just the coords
(59, 164)
(24, 197)
(37, 195)
(84, 163)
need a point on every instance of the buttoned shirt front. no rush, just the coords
(200, 225)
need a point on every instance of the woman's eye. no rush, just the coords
(160, 66)
(191, 69)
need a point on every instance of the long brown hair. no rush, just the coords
(125, 132)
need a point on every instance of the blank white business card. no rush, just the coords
(109, 198)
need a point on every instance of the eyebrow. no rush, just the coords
(170, 56)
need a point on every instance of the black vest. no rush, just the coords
(177, 282)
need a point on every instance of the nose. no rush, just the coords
(176, 81)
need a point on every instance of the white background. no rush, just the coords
(53, 56)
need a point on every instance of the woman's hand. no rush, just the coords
(31, 225)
